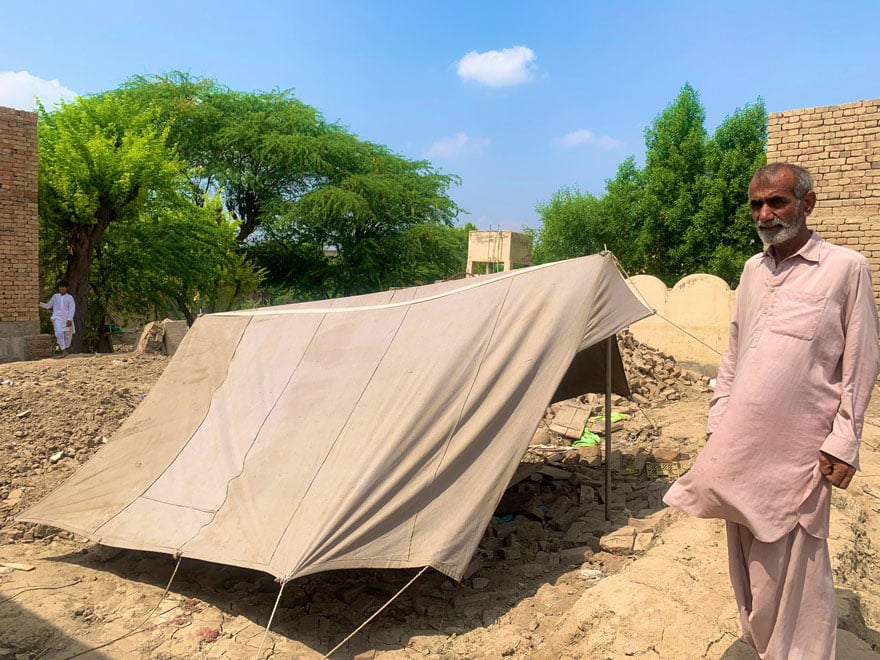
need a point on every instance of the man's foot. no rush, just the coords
(64, 353)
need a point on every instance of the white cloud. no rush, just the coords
(459, 145)
(498, 68)
(583, 136)
(18, 89)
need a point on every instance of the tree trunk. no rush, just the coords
(187, 313)
(105, 340)
(78, 262)
(82, 240)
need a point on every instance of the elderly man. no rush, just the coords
(786, 419)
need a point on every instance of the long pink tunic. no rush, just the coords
(795, 379)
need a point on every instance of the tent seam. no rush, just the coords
(185, 444)
(254, 440)
(336, 439)
(461, 410)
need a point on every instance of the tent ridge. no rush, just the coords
(368, 308)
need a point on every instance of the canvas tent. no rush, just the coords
(375, 431)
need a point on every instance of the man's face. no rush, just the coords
(779, 217)
(62, 289)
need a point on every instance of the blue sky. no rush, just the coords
(517, 98)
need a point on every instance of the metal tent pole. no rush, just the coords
(608, 347)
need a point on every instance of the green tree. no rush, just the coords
(428, 252)
(297, 185)
(364, 210)
(674, 166)
(575, 223)
(685, 212)
(182, 261)
(258, 150)
(621, 212)
(100, 162)
(722, 235)
(570, 226)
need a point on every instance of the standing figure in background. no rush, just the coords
(786, 420)
(63, 308)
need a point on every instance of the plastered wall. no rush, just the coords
(509, 248)
(692, 319)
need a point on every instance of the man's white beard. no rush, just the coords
(783, 235)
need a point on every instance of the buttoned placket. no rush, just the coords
(774, 275)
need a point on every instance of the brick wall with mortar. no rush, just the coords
(840, 145)
(19, 234)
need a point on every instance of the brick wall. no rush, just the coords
(840, 145)
(19, 249)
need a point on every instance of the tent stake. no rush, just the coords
(608, 348)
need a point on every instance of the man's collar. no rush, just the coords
(810, 250)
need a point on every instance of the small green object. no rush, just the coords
(615, 417)
(587, 440)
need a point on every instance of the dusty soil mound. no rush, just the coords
(55, 414)
(552, 578)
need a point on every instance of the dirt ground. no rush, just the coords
(64, 597)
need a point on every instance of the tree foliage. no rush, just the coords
(300, 187)
(571, 227)
(259, 151)
(100, 163)
(685, 211)
(674, 164)
(722, 231)
(176, 195)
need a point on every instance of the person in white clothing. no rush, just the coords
(63, 308)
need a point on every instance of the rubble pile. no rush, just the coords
(557, 513)
(653, 376)
(560, 484)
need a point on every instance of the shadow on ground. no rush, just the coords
(24, 634)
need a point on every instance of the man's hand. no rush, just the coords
(835, 470)
(69, 323)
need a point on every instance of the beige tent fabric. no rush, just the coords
(375, 431)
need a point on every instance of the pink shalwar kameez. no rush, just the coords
(795, 380)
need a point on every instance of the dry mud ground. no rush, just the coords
(83, 600)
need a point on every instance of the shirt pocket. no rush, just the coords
(797, 314)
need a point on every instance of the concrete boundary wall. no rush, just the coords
(701, 304)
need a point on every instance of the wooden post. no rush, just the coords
(608, 350)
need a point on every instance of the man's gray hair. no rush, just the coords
(803, 180)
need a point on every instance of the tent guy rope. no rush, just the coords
(658, 314)
(138, 627)
(269, 624)
(375, 614)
